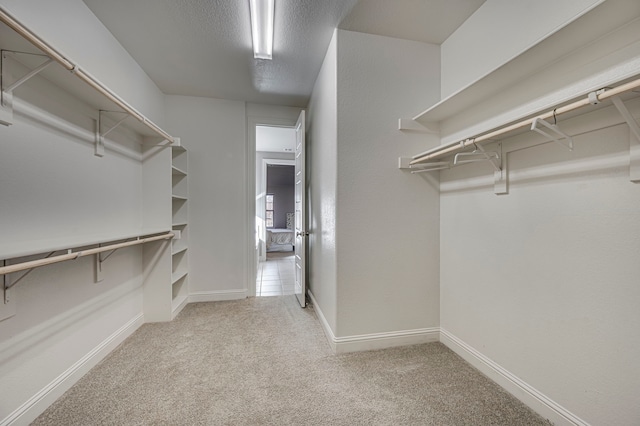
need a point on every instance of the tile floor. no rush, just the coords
(276, 275)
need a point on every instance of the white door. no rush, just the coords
(301, 217)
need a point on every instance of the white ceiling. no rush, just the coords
(203, 47)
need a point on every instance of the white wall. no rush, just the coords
(322, 134)
(214, 132)
(55, 192)
(544, 281)
(487, 40)
(387, 228)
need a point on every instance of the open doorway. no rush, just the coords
(275, 208)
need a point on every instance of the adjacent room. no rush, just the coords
(408, 212)
(275, 185)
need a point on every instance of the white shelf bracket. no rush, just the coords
(634, 139)
(100, 134)
(556, 134)
(404, 163)
(6, 103)
(99, 259)
(501, 174)
(97, 262)
(410, 125)
(8, 306)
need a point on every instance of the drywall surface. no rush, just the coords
(214, 131)
(56, 194)
(544, 281)
(499, 31)
(322, 128)
(70, 27)
(387, 226)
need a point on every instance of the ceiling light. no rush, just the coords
(262, 13)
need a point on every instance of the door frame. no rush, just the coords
(250, 220)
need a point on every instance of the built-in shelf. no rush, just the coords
(178, 250)
(178, 276)
(177, 171)
(179, 247)
(579, 55)
(15, 249)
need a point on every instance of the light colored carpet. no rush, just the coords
(265, 361)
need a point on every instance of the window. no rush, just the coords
(269, 211)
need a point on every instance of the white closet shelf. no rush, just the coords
(179, 198)
(72, 255)
(15, 37)
(178, 251)
(606, 18)
(176, 277)
(176, 171)
(12, 250)
(178, 224)
(578, 105)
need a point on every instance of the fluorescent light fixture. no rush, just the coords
(262, 13)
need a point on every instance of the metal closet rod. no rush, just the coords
(75, 255)
(609, 93)
(34, 39)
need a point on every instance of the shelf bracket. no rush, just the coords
(6, 103)
(98, 260)
(8, 306)
(501, 174)
(557, 135)
(634, 139)
(409, 124)
(100, 134)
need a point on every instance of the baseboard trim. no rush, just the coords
(179, 307)
(323, 322)
(38, 403)
(526, 393)
(217, 296)
(368, 342)
(374, 341)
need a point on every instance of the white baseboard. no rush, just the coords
(38, 403)
(526, 393)
(323, 322)
(179, 307)
(374, 341)
(217, 296)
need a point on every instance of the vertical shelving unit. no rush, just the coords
(179, 218)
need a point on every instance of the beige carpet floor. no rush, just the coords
(265, 361)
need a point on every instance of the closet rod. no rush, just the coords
(72, 256)
(34, 39)
(609, 93)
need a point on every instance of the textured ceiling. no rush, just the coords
(203, 47)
